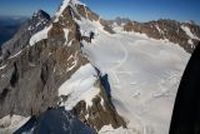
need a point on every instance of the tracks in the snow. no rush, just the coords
(116, 81)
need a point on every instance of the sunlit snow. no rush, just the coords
(189, 33)
(43, 34)
(80, 87)
(144, 75)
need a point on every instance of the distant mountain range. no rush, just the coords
(9, 26)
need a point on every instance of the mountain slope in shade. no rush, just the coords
(57, 121)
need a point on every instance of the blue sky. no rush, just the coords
(140, 10)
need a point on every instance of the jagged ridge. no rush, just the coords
(49, 59)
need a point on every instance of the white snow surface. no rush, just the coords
(80, 87)
(190, 42)
(110, 130)
(15, 55)
(159, 30)
(2, 67)
(41, 35)
(87, 26)
(144, 75)
(189, 33)
(12, 123)
(66, 32)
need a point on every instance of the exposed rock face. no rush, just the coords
(168, 29)
(55, 121)
(101, 113)
(31, 77)
(29, 87)
(39, 20)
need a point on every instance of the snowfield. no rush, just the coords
(144, 75)
(80, 87)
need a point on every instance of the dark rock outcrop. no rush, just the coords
(55, 121)
(14, 76)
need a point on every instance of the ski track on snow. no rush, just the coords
(113, 71)
(143, 74)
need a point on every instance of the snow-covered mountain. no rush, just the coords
(114, 77)
(21, 39)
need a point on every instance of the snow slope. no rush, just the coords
(10, 123)
(144, 74)
(41, 35)
(189, 33)
(80, 87)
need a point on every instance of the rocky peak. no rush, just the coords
(41, 14)
(37, 22)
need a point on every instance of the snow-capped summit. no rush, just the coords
(37, 22)
(66, 3)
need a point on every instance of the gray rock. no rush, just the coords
(37, 22)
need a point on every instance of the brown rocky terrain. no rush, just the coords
(167, 29)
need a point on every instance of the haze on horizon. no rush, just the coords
(139, 10)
